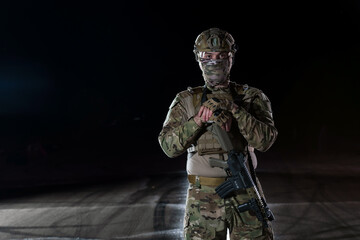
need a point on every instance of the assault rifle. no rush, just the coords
(239, 178)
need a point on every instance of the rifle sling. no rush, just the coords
(252, 170)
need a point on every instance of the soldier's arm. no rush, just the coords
(258, 128)
(178, 131)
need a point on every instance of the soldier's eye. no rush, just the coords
(223, 55)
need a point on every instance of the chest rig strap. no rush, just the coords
(204, 94)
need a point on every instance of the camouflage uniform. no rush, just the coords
(207, 216)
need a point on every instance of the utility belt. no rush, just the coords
(206, 181)
(214, 182)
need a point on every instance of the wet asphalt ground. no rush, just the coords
(306, 206)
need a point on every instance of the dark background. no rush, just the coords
(85, 87)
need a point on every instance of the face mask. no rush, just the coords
(215, 72)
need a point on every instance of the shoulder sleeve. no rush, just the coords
(256, 123)
(179, 130)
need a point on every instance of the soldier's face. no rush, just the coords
(215, 67)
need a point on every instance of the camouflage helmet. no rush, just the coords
(214, 40)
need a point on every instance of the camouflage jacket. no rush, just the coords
(254, 120)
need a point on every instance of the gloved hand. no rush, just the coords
(223, 119)
(215, 104)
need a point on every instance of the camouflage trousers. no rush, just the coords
(207, 216)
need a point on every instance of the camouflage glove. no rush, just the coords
(220, 117)
(215, 104)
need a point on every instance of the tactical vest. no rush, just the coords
(207, 143)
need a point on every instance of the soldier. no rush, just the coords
(247, 117)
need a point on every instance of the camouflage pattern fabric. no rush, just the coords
(216, 72)
(214, 40)
(254, 122)
(179, 129)
(207, 216)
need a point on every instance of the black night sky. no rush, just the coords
(85, 87)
